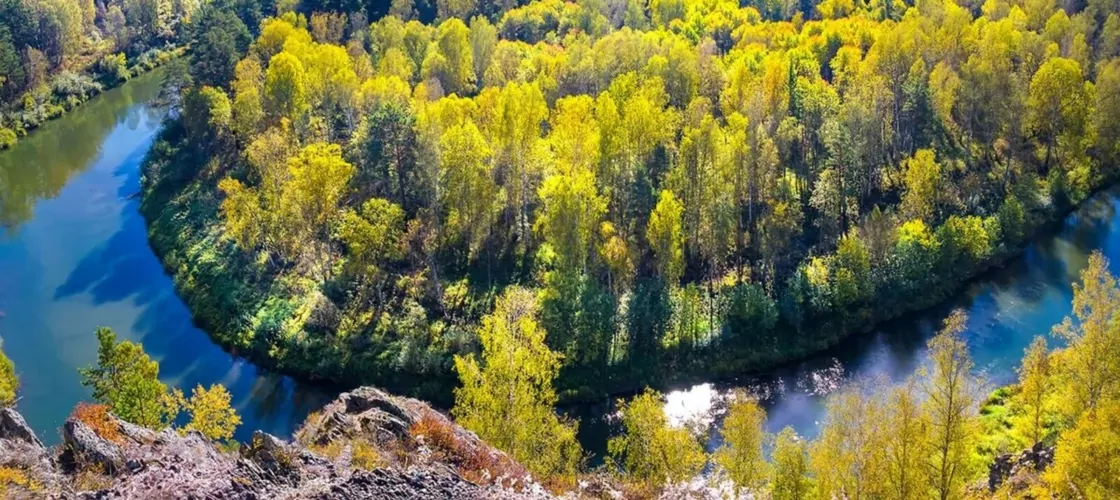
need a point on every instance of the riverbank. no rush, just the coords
(52, 102)
(235, 299)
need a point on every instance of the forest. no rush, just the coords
(56, 54)
(687, 187)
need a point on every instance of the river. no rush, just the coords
(74, 256)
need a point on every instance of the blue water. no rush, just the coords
(74, 256)
(77, 257)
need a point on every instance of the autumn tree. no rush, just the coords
(790, 459)
(211, 414)
(666, 237)
(506, 394)
(651, 450)
(1059, 104)
(372, 236)
(9, 383)
(744, 438)
(1090, 367)
(952, 394)
(1085, 458)
(1035, 389)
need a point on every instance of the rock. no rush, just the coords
(89, 449)
(1008, 466)
(142, 464)
(14, 427)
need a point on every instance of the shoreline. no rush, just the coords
(616, 383)
(135, 72)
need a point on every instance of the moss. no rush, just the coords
(13, 478)
(9, 383)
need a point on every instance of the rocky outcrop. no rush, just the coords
(1011, 469)
(364, 445)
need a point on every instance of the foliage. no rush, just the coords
(1086, 463)
(649, 449)
(742, 452)
(9, 382)
(506, 395)
(127, 381)
(211, 413)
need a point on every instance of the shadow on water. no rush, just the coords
(1007, 307)
(74, 255)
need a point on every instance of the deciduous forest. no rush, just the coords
(688, 187)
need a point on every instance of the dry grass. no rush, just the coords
(364, 455)
(91, 478)
(475, 463)
(97, 418)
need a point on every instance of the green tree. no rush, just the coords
(650, 450)
(373, 236)
(506, 394)
(218, 41)
(211, 413)
(744, 437)
(127, 380)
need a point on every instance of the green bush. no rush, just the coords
(7, 138)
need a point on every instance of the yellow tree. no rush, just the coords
(906, 449)
(571, 210)
(666, 237)
(511, 120)
(1036, 385)
(790, 458)
(506, 395)
(848, 458)
(211, 413)
(1087, 458)
(743, 439)
(650, 450)
(309, 200)
(1091, 366)
(923, 185)
(1059, 104)
(285, 88)
(952, 394)
(468, 190)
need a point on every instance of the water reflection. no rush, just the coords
(74, 255)
(1006, 308)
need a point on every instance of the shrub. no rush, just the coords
(97, 418)
(7, 138)
(114, 67)
(12, 476)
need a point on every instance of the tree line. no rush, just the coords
(56, 54)
(934, 435)
(687, 186)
